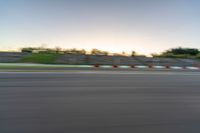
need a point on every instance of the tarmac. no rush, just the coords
(100, 102)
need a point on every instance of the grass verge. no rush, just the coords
(41, 58)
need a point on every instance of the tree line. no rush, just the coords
(180, 53)
(72, 51)
(171, 53)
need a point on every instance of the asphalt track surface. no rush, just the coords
(100, 102)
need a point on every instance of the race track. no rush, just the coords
(100, 102)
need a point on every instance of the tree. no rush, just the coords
(75, 51)
(27, 50)
(180, 53)
(99, 52)
(133, 53)
(183, 51)
(58, 50)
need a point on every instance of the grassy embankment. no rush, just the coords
(37, 61)
(41, 58)
(38, 58)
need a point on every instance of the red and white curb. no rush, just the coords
(148, 67)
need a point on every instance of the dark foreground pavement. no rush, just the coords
(107, 102)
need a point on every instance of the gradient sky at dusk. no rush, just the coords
(146, 26)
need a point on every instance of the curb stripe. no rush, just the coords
(13, 65)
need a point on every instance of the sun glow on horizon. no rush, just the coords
(113, 43)
(121, 25)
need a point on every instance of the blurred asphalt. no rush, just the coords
(100, 102)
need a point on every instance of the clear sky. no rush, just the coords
(146, 26)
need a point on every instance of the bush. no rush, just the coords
(183, 51)
(27, 50)
(99, 52)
